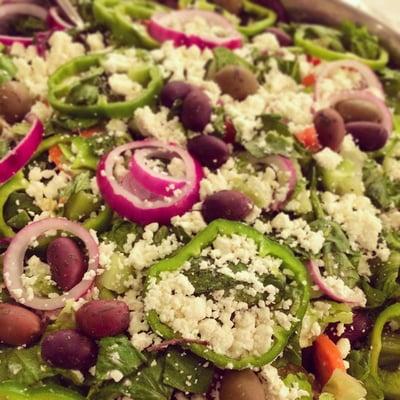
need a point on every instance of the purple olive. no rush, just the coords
(355, 332)
(101, 318)
(370, 136)
(15, 101)
(236, 81)
(211, 151)
(174, 90)
(18, 326)
(353, 110)
(196, 110)
(69, 349)
(227, 204)
(284, 39)
(67, 263)
(241, 385)
(330, 128)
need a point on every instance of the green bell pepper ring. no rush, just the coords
(316, 50)
(268, 16)
(390, 380)
(17, 182)
(13, 391)
(266, 247)
(58, 88)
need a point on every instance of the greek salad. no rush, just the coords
(198, 201)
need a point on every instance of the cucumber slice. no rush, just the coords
(346, 178)
(115, 278)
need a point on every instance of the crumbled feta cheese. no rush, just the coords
(328, 159)
(95, 41)
(122, 85)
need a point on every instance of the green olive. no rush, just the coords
(353, 110)
(236, 81)
(15, 101)
(241, 385)
(233, 6)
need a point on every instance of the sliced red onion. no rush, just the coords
(20, 155)
(386, 115)
(71, 12)
(159, 28)
(328, 69)
(11, 9)
(14, 263)
(129, 183)
(287, 166)
(129, 205)
(323, 286)
(157, 183)
(56, 21)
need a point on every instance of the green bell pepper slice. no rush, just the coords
(390, 380)
(123, 19)
(268, 16)
(13, 391)
(266, 247)
(17, 182)
(60, 83)
(51, 141)
(316, 50)
(101, 222)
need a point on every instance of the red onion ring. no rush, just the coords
(386, 115)
(55, 21)
(20, 155)
(159, 29)
(14, 263)
(129, 183)
(129, 205)
(286, 165)
(328, 69)
(318, 279)
(154, 182)
(71, 13)
(23, 9)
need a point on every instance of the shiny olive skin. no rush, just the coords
(15, 101)
(211, 151)
(102, 318)
(284, 39)
(241, 385)
(18, 326)
(369, 136)
(353, 110)
(233, 6)
(67, 263)
(69, 349)
(174, 90)
(196, 110)
(227, 204)
(330, 128)
(357, 331)
(236, 81)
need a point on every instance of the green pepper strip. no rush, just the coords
(390, 379)
(321, 52)
(119, 109)
(51, 141)
(17, 182)
(266, 247)
(269, 18)
(101, 221)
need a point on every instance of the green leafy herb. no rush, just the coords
(117, 354)
(390, 79)
(187, 372)
(290, 67)
(80, 183)
(359, 41)
(120, 231)
(83, 95)
(60, 123)
(148, 383)
(382, 191)
(28, 26)
(360, 369)
(65, 320)
(301, 382)
(24, 366)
